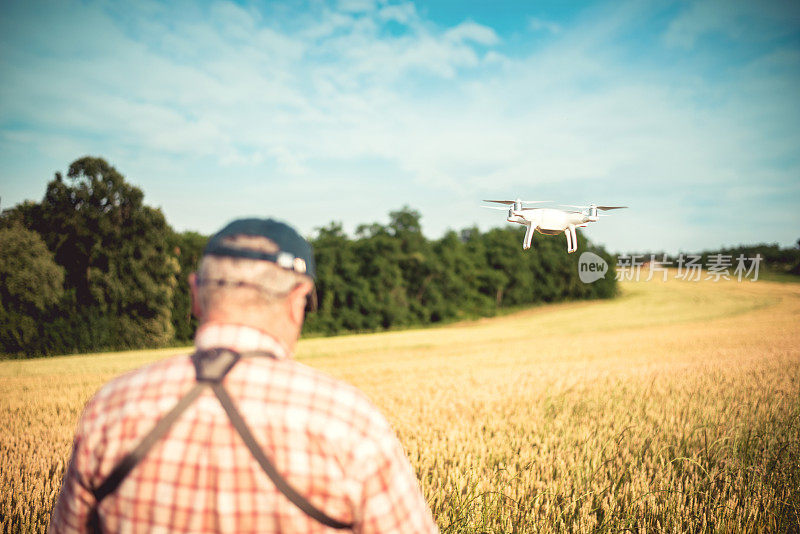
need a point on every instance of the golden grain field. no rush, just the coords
(673, 408)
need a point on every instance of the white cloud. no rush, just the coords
(356, 6)
(470, 31)
(401, 13)
(537, 24)
(233, 20)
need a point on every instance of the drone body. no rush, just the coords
(551, 221)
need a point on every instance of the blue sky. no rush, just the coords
(312, 112)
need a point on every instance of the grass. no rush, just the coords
(674, 408)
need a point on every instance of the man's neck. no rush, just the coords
(243, 335)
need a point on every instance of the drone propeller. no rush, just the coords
(602, 208)
(494, 208)
(511, 202)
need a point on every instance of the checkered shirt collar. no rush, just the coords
(239, 338)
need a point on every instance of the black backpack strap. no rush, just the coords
(126, 465)
(244, 431)
(130, 460)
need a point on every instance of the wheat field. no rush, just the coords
(673, 408)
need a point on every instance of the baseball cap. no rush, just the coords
(294, 253)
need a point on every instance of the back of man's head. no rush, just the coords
(251, 273)
(226, 280)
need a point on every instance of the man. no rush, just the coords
(239, 437)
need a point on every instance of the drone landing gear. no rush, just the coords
(572, 238)
(528, 237)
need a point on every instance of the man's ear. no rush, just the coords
(297, 301)
(197, 311)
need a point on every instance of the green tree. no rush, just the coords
(414, 258)
(119, 270)
(32, 284)
(379, 253)
(188, 248)
(345, 299)
(504, 256)
(458, 279)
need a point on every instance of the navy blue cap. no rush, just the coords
(294, 253)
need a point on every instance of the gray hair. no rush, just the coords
(244, 281)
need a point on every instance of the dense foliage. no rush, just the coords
(774, 258)
(91, 267)
(32, 286)
(119, 274)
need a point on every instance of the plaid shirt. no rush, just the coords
(324, 437)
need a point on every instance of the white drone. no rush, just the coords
(551, 221)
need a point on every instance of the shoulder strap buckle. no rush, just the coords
(213, 364)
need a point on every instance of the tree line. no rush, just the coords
(92, 268)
